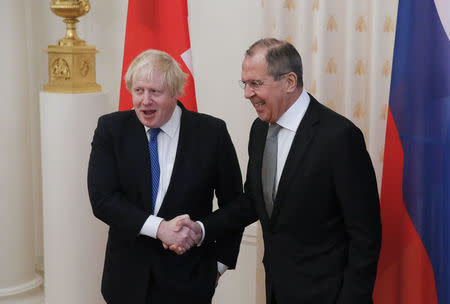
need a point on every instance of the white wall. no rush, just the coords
(220, 33)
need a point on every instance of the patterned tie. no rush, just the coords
(269, 167)
(154, 163)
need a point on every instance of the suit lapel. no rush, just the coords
(303, 138)
(259, 142)
(187, 126)
(137, 139)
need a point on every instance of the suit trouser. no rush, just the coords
(273, 300)
(173, 298)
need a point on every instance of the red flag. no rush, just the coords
(161, 25)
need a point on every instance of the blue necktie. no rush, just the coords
(154, 163)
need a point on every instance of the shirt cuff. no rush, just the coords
(203, 233)
(221, 268)
(151, 225)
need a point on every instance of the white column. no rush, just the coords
(239, 286)
(74, 240)
(17, 270)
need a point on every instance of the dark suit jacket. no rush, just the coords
(137, 269)
(323, 240)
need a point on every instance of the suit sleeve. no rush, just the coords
(228, 188)
(356, 190)
(236, 214)
(108, 202)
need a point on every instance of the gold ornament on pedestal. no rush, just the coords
(71, 63)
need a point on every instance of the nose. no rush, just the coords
(248, 92)
(147, 98)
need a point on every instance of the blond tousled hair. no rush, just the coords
(161, 62)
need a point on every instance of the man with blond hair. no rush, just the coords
(150, 166)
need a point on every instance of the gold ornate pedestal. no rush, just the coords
(71, 70)
(71, 64)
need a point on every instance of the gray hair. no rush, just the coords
(281, 57)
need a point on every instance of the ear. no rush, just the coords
(291, 82)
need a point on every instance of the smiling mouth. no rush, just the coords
(259, 104)
(148, 112)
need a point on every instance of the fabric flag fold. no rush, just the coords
(161, 25)
(414, 264)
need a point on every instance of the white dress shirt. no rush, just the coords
(167, 150)
(289, 123)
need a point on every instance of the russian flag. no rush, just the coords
(160, 25)
(414, 264)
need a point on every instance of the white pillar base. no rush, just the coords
(34, 296)
(22, 288)
(74, 240)
(239, 286)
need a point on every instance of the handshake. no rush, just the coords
(179, 234)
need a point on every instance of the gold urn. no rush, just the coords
(71, 63)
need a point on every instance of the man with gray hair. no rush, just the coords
(311, 184)
(150, 166)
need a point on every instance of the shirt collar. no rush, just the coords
(171, 126)
(293, 116)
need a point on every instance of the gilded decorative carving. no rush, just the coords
(70, 10)
(84, 67)
(71, 62)
(60, 69)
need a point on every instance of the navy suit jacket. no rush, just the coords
(323, 240)
(137, 269)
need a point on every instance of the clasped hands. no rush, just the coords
(179, 234)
